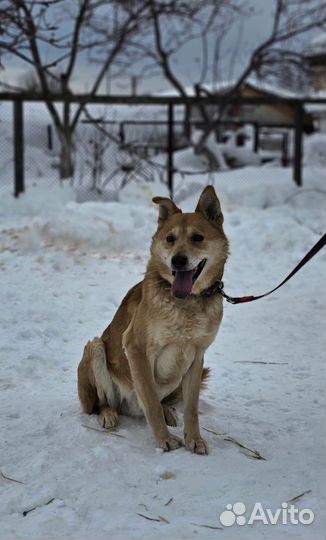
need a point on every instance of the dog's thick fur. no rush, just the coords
(151, 354)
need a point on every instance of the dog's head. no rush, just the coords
(190, 250)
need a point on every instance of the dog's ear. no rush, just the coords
(209, 206)
(166, 209)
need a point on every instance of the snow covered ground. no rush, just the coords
(64, 269)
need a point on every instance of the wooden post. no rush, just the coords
(256, 138)
(49, 134)
(170, 148)
(297, 169)
(18, 148)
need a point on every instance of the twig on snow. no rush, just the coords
(168, 502)
(11, 479)
(159, 519)
(164, 520)
(107, 431)
(207, 526)
(34, 507)
(299, 496)
(214, 432)
(260, 362)
(254, 454)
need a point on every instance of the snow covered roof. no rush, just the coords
(227, 85)
(259, 85)
(317, 108)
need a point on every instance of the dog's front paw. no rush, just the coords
(108, 418)
(170, 442)
(197, 445)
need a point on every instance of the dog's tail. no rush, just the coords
(204, 376)
(176, 395)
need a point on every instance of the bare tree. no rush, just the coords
(293, 22)
(30, 82)
(54, 36)
(136, 37)
(175, 23)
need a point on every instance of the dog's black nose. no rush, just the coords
(179, 261)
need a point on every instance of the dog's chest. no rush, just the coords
(172, 362)
(176, 338)
(185, 326)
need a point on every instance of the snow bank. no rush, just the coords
(315, 149)
(50, 215)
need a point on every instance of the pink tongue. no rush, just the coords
(182, 284)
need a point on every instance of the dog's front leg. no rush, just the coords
(144, 383)
(190, 389)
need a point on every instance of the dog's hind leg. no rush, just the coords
(176, 396)
(95, 385)
(170, 415)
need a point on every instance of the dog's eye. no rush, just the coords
(170, 238)
(197, 237)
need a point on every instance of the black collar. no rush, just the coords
(214, 289)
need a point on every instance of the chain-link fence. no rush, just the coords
(6, 145)
(122, 145)
(112, 147)
(115, 145)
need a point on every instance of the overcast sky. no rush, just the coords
(242, 38)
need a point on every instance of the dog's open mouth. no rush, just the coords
(183, 281)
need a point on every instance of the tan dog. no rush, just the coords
(151, 355)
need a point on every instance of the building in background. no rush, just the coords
(316, 60)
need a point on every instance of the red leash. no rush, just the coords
(242, 299)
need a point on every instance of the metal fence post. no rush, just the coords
(19, 147)
(49, 136)
(170, 148)
(256, 138)
(297, 170)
